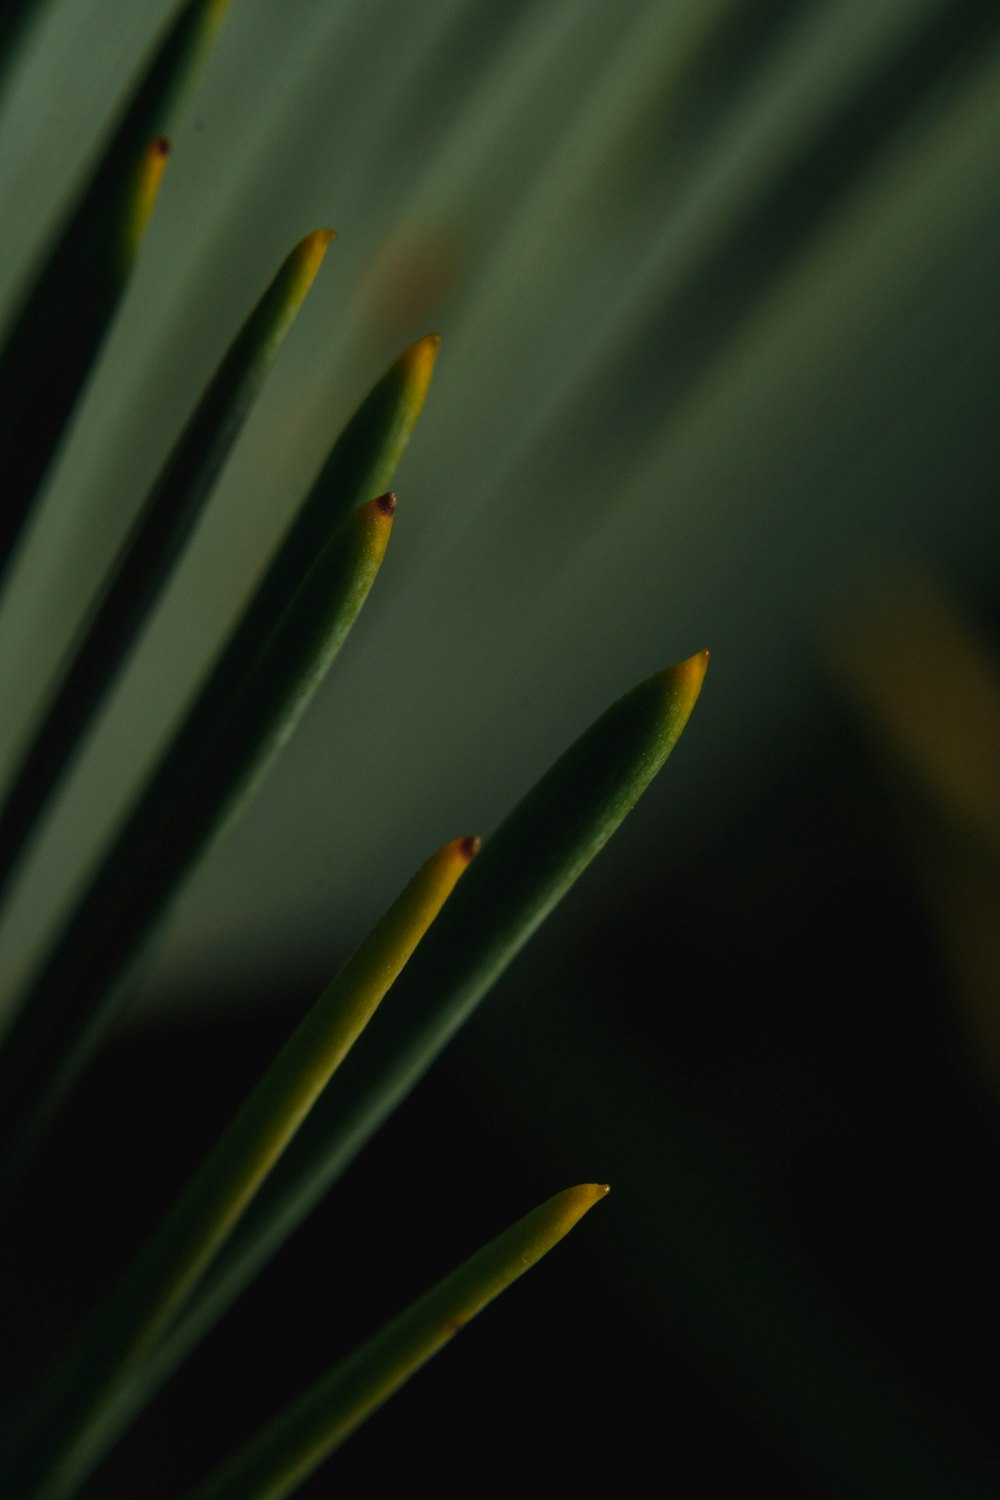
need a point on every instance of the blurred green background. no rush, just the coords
(717, 288)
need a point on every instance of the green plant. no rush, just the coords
(292, 1137)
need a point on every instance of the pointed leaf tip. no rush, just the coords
(581, 1199)
(418, 907)
(314, 246)
(683, 680)
(372, 522)
(287, 1451)
(455, 857)
(145, 191)
(418, 362)
(303, 263)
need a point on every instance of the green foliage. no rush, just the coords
(251, 698)
(167, 517)
(287, 1451)
(67, 310)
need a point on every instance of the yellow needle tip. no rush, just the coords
(686, 677)
(418, 360)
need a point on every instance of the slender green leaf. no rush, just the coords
(523, 872)
(289, 1449)
(151, 548)
(361, 464)
(226, 743)
(73, 295)
(65, 1434)
(208, 767)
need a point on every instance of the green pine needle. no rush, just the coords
(242, 716)
(75, 1414)
(257, 690)
(75, 291)
(148, 553)
(289, 1449)
(523, 872)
